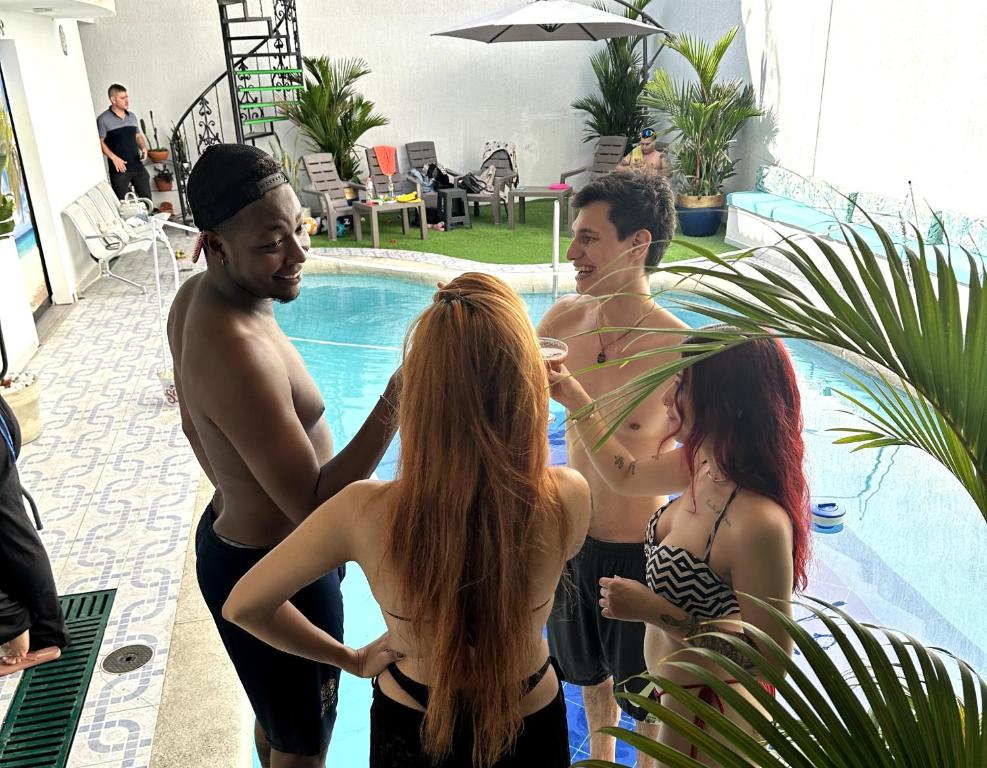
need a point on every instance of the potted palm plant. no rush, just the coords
(330, 112)
(616, 110)
(704, 116)
(901, 703)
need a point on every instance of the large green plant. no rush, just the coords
(897, 708)
(926, 336)
(616, 110)
(331, 114)
(703, 115)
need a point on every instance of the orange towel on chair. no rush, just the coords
(387, 159)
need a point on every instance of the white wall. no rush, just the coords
(456, 92)
(56, 132)
(891, 91)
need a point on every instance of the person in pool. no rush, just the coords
(463, 550)
(740, 527)
(621, 232)
(254, 418)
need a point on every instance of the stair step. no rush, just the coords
(257, 135)
(246, 72)
(231, 2)
(282, 55)
(265, 104)
(247, 18)
(260, 120)
(258, 88)
(258, 37)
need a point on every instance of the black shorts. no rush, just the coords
(396, 738)
(586, 647)
(294, 699)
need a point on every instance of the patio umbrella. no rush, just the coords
(547, 20)
(544, 20)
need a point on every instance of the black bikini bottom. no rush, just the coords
(395, 732)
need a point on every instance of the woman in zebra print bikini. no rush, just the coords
(741, 525)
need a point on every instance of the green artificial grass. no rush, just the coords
(528, 243)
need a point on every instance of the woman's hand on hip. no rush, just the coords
(373, 658)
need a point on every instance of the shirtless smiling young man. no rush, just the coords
(623, 226)
(254, 418)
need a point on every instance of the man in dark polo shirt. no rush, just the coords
(122, 142)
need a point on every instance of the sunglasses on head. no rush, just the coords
(647, 133)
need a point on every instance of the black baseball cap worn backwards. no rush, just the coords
(227, 178)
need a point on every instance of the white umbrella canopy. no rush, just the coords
(543, 20)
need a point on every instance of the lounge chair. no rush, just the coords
(505, 175)
(401, 183)
(608, 153)
(329, 188)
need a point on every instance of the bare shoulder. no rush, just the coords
(760, 524)
(663, 318)
(568, 312)
(576, 499)
(360, 500)
(572, 485)
(660, 319)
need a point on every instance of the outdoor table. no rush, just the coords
(392, 206)
(564, 196)
(447, 200)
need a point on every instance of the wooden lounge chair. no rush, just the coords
(608, 153)
(326, 184)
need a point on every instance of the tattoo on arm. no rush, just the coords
(618, 462)
(633, 467)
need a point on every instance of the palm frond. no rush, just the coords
(330, 113)
(906, 314)
(902, 705)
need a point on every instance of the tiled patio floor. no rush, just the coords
(116, 483)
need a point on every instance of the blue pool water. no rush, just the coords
(912, 554)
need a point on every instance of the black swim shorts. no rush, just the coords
(586, 647)
(294, 699)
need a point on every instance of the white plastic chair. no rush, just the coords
(105, 246)
(108, 207)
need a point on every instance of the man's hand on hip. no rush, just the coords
(120, 165)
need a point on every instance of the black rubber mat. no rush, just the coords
(40, 724)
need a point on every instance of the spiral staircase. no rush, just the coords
(263, 69)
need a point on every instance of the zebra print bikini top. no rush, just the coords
(683, 579)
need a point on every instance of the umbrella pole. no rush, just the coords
(556, 216)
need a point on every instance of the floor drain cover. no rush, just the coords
(127, 659)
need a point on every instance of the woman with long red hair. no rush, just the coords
(741, 525)
(463, 550)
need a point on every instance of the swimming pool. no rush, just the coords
(912, 552)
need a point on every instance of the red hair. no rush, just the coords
(745, 406)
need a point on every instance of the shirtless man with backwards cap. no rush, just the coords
(254, 418)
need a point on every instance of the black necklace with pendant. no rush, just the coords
(602, 356)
